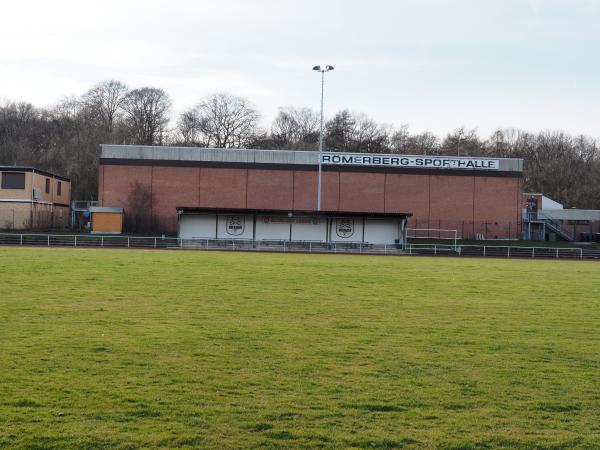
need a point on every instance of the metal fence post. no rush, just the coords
(557, 253)
(154, 242)
(21, 240)
(101, 241)
(508, 254)
(484, 250)
(127, 241)
(533, 252)
(48, 240)
(435, 249)
(580, 253)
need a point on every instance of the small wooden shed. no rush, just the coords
(106, 220)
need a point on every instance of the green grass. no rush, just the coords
(127, 349)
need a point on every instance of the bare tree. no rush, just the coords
(105, 101)
(146, 112)
(462, 143)
(356, 133)
(400, 140)
(371, 136)
(222, 121)
(20, 133)
(339, 131)
(188, 128)
(296, 128)
(425, 143)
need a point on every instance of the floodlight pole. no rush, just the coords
(321, 143)
(322, 70)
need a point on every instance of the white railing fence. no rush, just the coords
(499, 251)
(111, 241)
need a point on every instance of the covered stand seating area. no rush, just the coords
(299, 228)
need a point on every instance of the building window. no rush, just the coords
(59, 188)
(47, 185)
(13, 180)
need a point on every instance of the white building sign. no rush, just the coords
(423, 162)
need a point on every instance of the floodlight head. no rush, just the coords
(317, 68)
(328, 67)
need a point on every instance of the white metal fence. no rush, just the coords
(104, 241)
(499, 251)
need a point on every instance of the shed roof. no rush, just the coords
(105, 209)
(572, 214)
(34, 170)
(293, 213)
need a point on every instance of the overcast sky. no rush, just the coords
(434, 64)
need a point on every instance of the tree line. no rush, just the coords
(65, 138)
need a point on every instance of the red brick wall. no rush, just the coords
(487, 189)
(362, 191)
(451, 198)
(330, 193)
(404, 192)
(100, 183)
(220, 188)
(167, 188)
(119, 182)
(270, 189)
(471, 204)
(305, 190)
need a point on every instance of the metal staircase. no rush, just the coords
(556, 227)
(549, 223)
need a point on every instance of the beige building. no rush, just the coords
(32, 199)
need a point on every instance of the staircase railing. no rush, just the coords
(555, 226)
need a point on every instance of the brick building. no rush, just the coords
(479, 197)
(33, 199)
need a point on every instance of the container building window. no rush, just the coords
(59, 188)
(47, 185)
(13, 180)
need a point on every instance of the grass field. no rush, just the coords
(127, 349)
